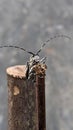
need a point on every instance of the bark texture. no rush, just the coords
(26, 100)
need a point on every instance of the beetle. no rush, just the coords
(35, 65)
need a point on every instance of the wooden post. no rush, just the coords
(26, 100)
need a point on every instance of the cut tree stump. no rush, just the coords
(26, 100)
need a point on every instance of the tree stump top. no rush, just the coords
(17, 71)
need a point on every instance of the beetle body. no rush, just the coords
(35, 65)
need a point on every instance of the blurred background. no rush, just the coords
(28, 23)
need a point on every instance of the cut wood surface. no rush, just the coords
(17, 71)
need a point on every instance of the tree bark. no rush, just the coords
(26, 100)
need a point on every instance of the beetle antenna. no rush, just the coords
(51, 38)
(10, 46)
